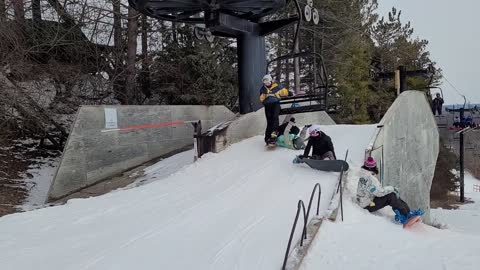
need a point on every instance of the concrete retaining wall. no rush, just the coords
(407, 146)
(92, 155)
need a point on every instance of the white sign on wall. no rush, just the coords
(111, 118)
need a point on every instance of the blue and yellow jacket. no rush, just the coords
(272, 94)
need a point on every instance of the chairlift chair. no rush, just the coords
(316, 97)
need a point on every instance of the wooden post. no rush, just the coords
(197, 145)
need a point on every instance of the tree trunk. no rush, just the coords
(3, 14)
(67, 18)
(36, 13)
(287, 63)
(278, 68)
(19, 11)
(132, 33)
(118, 54)
(174, 33)
(145, 75)
(117, 26)
(297, 66)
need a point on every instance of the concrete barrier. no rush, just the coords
(407, 146)
(94, 152)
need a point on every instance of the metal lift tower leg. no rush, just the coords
(251, 68)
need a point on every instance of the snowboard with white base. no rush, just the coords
(324, 165)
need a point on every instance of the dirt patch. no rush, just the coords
(16, 157)
(451, 201)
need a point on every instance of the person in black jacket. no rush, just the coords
(321, 143)
(437, 104)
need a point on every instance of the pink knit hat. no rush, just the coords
(370, 163)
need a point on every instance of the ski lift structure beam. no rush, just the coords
(309, 102)
(240, 19)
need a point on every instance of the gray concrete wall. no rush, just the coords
(407, 147)
(91, 155)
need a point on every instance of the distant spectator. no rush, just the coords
(437, 104)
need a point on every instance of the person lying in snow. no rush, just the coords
(321, 143)
(288, 136)
(372, 196)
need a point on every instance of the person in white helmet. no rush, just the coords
(320, 144)
(270, 95)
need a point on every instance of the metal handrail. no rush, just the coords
(306, 215)
(311, 199)
(340, 188)
(300, 206)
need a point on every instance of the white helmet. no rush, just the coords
(267, 79)
(314, 130)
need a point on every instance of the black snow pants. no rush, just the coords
(272, 111)
(392, 200)
(437, 109)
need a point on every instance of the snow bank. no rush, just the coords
(466, 219)
(366, 241)
(164, 168)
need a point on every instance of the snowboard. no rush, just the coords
(325, 165)
(412, 221)
(271, 146)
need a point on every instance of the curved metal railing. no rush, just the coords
(300, 206)
(311, 199)
(306, 215)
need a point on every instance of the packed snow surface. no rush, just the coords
(367, 241)
(232, 210)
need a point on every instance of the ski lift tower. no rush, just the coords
(240, 19)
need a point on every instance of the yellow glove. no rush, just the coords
(372, 204)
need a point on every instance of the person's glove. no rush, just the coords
(298, 160)
(290, 93)
(372, 204)
(292, 119)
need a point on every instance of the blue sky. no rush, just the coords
(452, 28)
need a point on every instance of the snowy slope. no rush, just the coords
(165, 168)
(466, 219)
(367, 241)
(232, 210)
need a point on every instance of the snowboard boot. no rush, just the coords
(399, 217)
(414, 213)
